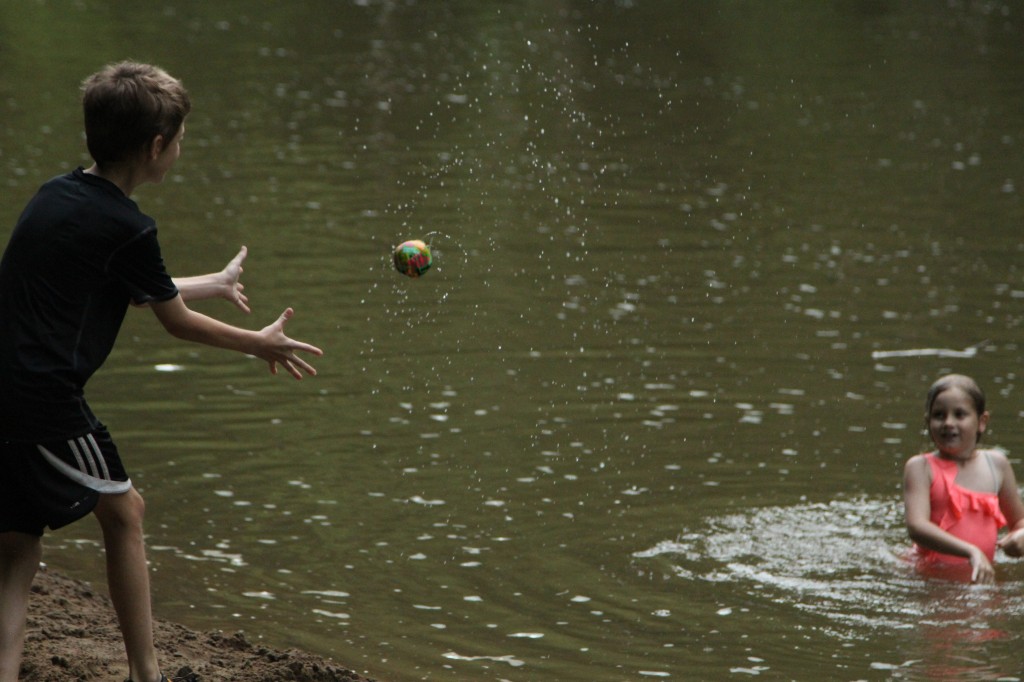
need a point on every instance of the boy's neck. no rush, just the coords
(122, 177)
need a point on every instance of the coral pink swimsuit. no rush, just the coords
(968, 514)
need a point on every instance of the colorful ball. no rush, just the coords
(412, 258)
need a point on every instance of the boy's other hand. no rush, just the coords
(233, 288)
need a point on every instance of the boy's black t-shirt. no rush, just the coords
(80, 253)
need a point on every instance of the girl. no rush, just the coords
(958, 497)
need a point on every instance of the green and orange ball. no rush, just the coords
(412, 258)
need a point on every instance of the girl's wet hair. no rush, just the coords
(126, 105)
(961, 381)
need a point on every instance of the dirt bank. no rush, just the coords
(72, 635)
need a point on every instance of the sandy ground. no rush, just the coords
(73, 635)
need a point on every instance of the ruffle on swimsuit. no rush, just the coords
(968, 514)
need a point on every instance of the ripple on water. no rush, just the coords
(842, 560)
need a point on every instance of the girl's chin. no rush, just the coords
(955, 451)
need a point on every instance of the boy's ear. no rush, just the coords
(156, 147)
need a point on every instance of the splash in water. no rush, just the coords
(843, 560)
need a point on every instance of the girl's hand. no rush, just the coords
(982, 572)
(233, 288)
(1012, 543)
(279, 349)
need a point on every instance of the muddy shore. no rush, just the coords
(72, 634)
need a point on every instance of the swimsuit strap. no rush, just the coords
(992, 468)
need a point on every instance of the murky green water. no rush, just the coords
(630, 425)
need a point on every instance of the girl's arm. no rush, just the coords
(223, 284)
(917, 504)
(269, 344)
(1013, 509)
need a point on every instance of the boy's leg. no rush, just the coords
(120, 518)
(19, 558)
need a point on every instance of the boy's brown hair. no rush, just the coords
(128, 104)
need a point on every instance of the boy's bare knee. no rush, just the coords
(121, 510)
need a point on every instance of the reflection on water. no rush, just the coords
(634, 422)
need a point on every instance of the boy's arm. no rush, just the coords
(917, 504)
(269, 344)
(223, 284)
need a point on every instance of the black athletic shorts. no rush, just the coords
(55, 483)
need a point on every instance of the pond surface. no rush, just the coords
(630, 425)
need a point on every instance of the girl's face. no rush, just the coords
(954, 423)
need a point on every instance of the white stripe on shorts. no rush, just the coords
(80, 475)
(105, 472)
(86, 463)
(74, 451)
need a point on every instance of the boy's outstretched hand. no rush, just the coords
(282, 350)
(233, 288)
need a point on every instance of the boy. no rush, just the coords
(80, 253)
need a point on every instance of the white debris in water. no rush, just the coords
(259, 595)
(756, 670)
(968, 352)
(514, 662)
(427, 503)
(331, 614)
(169, 368)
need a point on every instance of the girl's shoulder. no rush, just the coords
(923, 457)
(918, 465)
(995, 455)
